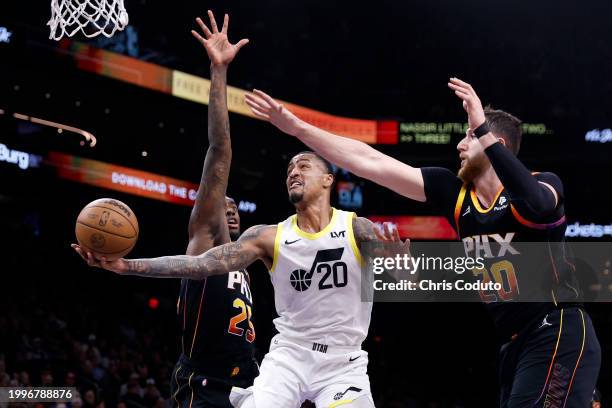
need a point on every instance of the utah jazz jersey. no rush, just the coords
(529, 274)
(215, 319)
(317, 283)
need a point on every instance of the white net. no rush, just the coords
(91, 17)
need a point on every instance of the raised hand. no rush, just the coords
(266, 108)
(119, 266)
(220, 51)
(393, 246)
(471, 102)
(388, 234)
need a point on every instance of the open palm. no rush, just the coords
(217, 45)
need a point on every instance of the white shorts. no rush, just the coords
(292, 372)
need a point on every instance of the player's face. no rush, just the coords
(473, 158)
(233, 218)
(306, 178)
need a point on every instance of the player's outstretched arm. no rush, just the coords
(355, 156)
(256, 243)
(207, 226)
(539, 197)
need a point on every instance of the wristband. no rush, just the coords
(482, 130)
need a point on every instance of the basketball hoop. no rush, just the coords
(91, 17)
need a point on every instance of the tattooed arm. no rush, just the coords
(207, 224)
(256, 243)
(364, 230)
(388, 240)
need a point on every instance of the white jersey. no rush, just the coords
(317, 283)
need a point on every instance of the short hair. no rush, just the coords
(506, 126)
(329, 168)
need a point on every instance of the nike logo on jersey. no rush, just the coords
(466, 211)
(341, 394)
(291, 242)
(354, 358)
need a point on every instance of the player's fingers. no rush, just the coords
(242, 43)
(262, 103)
(260, 114)
(379, 235)
(459, 82)
(253, 103)
(466, 97)
(213, 22)
(388, 233)
(267, 98)
(205, 29)
(91, 261)
(396, 235)
(455, 87)
(79, 251)
(198, 37)
(225, 23)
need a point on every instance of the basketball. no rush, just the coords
(107, 228)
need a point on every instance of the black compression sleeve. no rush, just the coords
(518, 181)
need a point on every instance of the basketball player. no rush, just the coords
(551, 356)
(315, 267)
(214, 313)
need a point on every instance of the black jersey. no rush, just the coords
(215, 319)
(495, 234)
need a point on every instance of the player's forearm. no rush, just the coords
(181, 266)
(518, 180)
(352, 155)
(218, 116)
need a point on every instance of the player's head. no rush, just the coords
(232, 217)
(504, 126)
(309, 177)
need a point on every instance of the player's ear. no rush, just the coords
(328, 180)
(502, 141)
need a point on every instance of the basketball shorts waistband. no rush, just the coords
(314, 346)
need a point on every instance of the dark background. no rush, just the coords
(546, 62)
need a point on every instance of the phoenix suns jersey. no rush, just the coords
(215, 320)
(538, 271)
(317, 283)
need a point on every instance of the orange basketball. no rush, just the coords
(107, 228)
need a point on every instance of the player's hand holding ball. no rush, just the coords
(106, 230)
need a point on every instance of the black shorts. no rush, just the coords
(553, 363)
(192, 388)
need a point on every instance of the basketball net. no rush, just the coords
(91, 17)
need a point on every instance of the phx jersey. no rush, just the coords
(217, 331)
(495, 233)
(317, 283)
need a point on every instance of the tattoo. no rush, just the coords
(210, 199)
(253, 232)
(216, 261)
(363, 230)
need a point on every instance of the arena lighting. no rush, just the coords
(153, 303)
(590, 230)
(90, 138)
(599, 136)
(5, 35)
